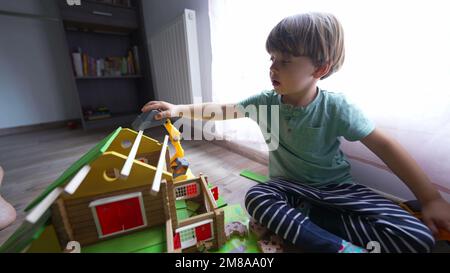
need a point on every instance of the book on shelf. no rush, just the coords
(99, 68)
(77, 64)
(85, 64)
(114, 66)
(136, 59)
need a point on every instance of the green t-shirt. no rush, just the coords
(309, 137)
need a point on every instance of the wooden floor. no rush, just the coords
(34, 160)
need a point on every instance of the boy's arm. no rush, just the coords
(204, 111)
(435, 210)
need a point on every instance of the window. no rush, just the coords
(395, 69)
(186, 191)
(187, 238)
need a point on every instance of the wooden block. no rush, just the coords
(61, 232)
(171, 204)
(165, 199)
(64, 217)
(86, 237)
(195, 219)
(154, 205)
(168, 163)
(81, 231)
(220, 227)
(169, 236)
(208, 194)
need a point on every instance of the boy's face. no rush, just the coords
(291, 74)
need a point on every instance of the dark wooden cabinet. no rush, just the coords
(100, 15)
(105, 31)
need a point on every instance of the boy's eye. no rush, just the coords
(282, 61)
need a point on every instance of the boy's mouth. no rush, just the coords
(275, 83)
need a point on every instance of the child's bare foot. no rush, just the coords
(7, 212)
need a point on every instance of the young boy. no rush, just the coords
(311, 199)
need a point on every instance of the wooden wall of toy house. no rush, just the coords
(104, 30)
(81, 224)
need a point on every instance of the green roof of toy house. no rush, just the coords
(90, 156)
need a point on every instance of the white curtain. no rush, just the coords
(396, 68)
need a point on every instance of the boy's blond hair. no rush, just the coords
(318, 36)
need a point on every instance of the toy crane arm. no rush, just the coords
(178, 164)
(175, 139)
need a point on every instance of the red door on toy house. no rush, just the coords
(118, 214)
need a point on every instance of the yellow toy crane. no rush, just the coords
(178, 164)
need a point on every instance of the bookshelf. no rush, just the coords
(106, 43)
(108, 77)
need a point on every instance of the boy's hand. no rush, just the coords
(436, 214)
(167, 109)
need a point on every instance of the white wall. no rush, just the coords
(35, 70)
(159, 13)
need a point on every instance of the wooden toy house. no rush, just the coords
(93, 201)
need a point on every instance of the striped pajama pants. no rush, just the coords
(348, 212)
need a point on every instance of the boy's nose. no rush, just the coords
(273, 69)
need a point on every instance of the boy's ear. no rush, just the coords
(321, 71)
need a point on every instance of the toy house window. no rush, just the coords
(186, 191)
(118, 214)
(189, 236)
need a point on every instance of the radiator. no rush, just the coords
(175, 61)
